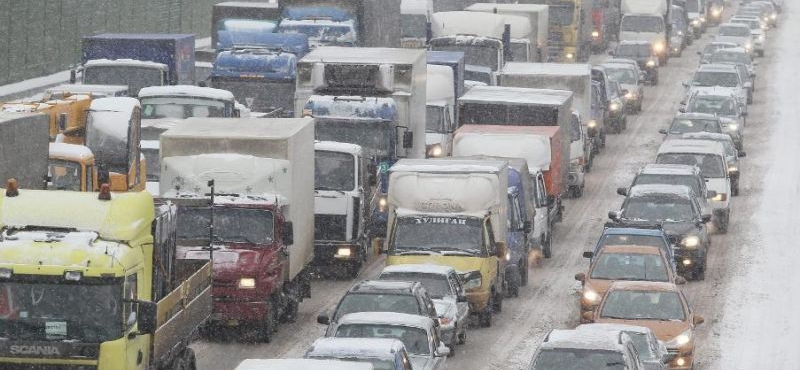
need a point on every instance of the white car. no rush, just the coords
(383, 354)
(757, 31)
(720, 75)
(737, 33)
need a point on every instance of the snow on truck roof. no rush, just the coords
(245, 128)
(338, 54)
(246, 4)
(468, 23)
(70, 151)
(124, 62)
(186, 90)
(354, 347)
(387, 318)
(515, 95)
(335, 146)
(302, 364)
(448, 165)
(140, 36)
(510, 8)
(418, 268)
(561, 69)
(439, 84)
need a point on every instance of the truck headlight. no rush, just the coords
(690, 241)
(591, 124)
(613, 107)
(733, 127)
(435, 151)
(733, 169)
(595, 34)
(472, 280)
(721, 197)
(569, 56)
(761, 38)
(651, 63)
(630, 95)
(716, 13)
(247, 283)
(773, 16)
(696, 22)
(591, 296)
(748, 46)
(343, 252)
(382, 202)
(658, 47)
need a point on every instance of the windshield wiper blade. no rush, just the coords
(417, 252)
(328, 188)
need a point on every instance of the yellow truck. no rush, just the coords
(67, 116)
(91, 281)
(453, 212)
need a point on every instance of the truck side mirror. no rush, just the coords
(288, 234)
(742, 154)
(323, 319)
(103, 177)
(501, 249)
(613, 215)
(588, 254)
(428, 32)
(62, 121)
(551, 200)
(527, 227)
(622, 191)
(662, 131)
(146, 318)
(408, 139)
(73, 76)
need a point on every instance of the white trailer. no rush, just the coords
(537, 16)
(440, 111)
(415, 15)
(398, 74)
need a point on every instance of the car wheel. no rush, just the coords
(462, 337)
(547, 247)
(735, 189)
(353, 268)
(722, 224)
(699, 274)
(624, 123)
(603, 138)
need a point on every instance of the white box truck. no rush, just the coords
(537, 15)
(647, 20)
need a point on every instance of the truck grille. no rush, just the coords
(330, 227)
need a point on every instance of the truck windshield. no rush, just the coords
(341, 34)
(710, 165)
(413, 25)
(692, 6)
(134, 77)
(434, 119)
(561, 14)
(259, 95)
(480, 55)
(334, 171)
(457, 235)
(175, 107)
(64, 175)
(504, 114)
(231, 225)
(520, 51)
(642, 23)
(375, 137)
(57, 311)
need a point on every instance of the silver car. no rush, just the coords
(631, 82)
(731, 154)
(652, 352)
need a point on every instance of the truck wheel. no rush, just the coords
(722, 224)
(353, 268)
(485, 317)
(735, 188)
(523, 273)
(547, 247)
(290, 314)
(498, 302)
(269, 325)
(186, 361)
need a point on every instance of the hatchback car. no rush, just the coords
(676, 209)
(732, 155)
(383, 296)
(383, 354)
(652, 352)
(625, 262)
(448, 295)
(641, 235)
(573, 349)
(739, 57)
(692, 122)
(719, 75)
(662, 307)
(642, 52)
(757, 30)
(738, 34)
(723, 103)
(631, 83)
(674, 174)
(711, 47)
(418, 334)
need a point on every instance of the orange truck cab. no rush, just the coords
(113, 135)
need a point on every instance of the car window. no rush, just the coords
(436, 285)
(630, 266)
(400, 303)
(643, 305)
(683, 126)
(415, 339)
(578, 359)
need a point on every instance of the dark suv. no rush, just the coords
(408, 297)
(642, 52)
(675, 207)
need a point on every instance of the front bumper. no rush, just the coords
(682, 361)
(478, 299)
(687, 260)
(229, 312)
(448, 333)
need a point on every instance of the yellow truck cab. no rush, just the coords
(67, 116)
(113, 134)
(71, 167)
(452, 212)
(90, 281)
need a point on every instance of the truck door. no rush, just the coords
(136, 345)
(542, 219)
(495, 265)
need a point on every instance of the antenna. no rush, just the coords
(211, 224)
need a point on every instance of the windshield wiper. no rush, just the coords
(238, 239)
(615, 317)
(328, 188)
(416, 252)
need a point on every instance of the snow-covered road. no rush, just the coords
(750, 289)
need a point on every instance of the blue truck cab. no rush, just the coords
(646, 235)
(517, 234)
(324, 25)
(260, 69)
(371, 123)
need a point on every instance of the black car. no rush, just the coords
(644, 55)
(676, 209)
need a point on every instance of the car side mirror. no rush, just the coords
(588, 316)
(710, 194)
(699, 53)
(706, 217)
(679, 280)
(146, 318)
(324, 319)
(622, 191)
(588, 254)
(442, 351)
(611, 52)
(613, 215)
(288, 234)
(581, 276)
(742, 154)
(461, 299)
(662, 131)
(748, 85)
(551, 200)
(682, 109)
(685, 84)
(697, 320)
(527, 227)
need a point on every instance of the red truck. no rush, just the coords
(257, 221)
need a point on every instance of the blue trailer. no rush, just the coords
(137, 60)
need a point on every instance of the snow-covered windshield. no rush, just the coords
(653, 179)
(414, 339)
(721, 106)
(753, 24)
(480, 55)
(640, 267)
(52, 310)
(643, 305)
(711, 48)
(436, 285)
(710, 165)
(734, 31)
(578, 359)
(177, 107)
(334, 171)
(231, 225)
(134, 77)
(413, 25)
(658, 209)
(260, 95)
(633, 51)
(708, 79)
(376, 138)
(642, 344)
(340, 34)
(728, 57)
(439, 234)
(377, 363)
(399, 303)
(642, 23)
(683, 126)
(622, 75)
(64, 175)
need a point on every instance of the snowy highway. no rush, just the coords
(750, 288)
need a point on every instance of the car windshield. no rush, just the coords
(622, 75)
(684, 125)
(373, 302)
(58, 311)
(635, 51)
(711, 48)
(377, 363)
(653, 179)
(436, 285)
(434, 119)
(376, 138)
(413, 25)
(231, 225)
(629, 239)
(708, 79)
(659, 209)
(629, 266)
(578, 359)
(439, 234)
(710, 165)
(64, 175)
(643, 305)
(722, 106)
(415, 339)
(753, 24)
(173, 107)
(734, 31)
(642, 23)
(334, 171)
(260, 95)
(134, 77)
(479, 55)
(729, 57)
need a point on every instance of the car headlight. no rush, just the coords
(733, 127)
(720, 197)
(591, 124)
(680, 33)
(658, 47)
(761, 38)
(690, 241)
(569, 56)
(591, 296)
(472, 279)
(613, 107)
(595, 34)
(695, 22)
(343, 252)
(681, 340)
(651, 63)
(445, 321)
(630, 95)
(435, 151)
(247, 283)
(733, 169)
(716, 13)
(702, 19)
(748, 46)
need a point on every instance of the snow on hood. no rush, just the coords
(420, 362)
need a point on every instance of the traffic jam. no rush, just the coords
(395, 185)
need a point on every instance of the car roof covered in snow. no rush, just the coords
(659, 190)
(739, 25)
(384, 287)
(515, 95)
(696, 115)
(564, 69)
(185, 90)
(707, 136)
(354, 347)
(387, 318)
(611, 327)
(713, 91)
(623, 230)
(302, 364)
(691, 146)
(419, 268)
(448, 165)
(644, 286)
(634, 42)
(570, 338)
(669, 169)
(734, 50)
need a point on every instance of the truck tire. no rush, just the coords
(498, 301)
(547, 247)
(523, 273)
(485, 317)
(290, 313)
(462, 336)
(269, 325)
(353, 268)
(185, 361)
